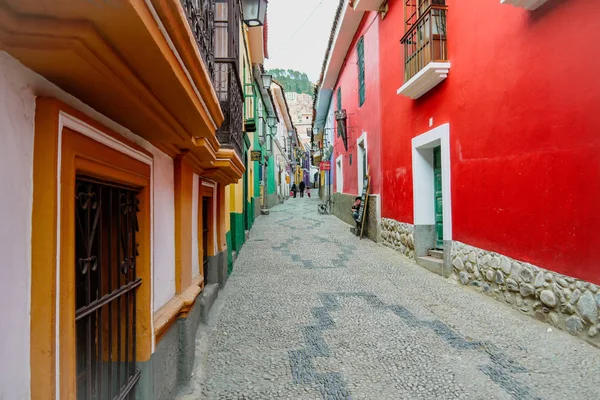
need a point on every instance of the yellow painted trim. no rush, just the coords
(184, 176)
(43, 252)
(177, 307)
(31, 38)
(79, 153)
(175, 20)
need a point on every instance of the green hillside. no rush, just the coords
(293, 81)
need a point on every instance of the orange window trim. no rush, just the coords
(184, 181)
(79, 154)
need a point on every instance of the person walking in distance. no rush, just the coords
(294, 189)
(302, 187)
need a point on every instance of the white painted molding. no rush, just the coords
(367, 5)
(426, 79)
(423, 183)
(526, 4)
(359, 164)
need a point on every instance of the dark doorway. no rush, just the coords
(106, 225)
(205, 225)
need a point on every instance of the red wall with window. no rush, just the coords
(522, 99)
(366, 118)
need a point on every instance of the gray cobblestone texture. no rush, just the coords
(312, 312)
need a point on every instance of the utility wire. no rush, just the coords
(301, 26)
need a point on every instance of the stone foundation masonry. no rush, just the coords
(564, 302)
(399, 236)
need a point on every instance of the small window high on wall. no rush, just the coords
(339, 103)
(360, 52)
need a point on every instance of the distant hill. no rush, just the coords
(293, 81)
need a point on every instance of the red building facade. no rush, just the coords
(482, 142)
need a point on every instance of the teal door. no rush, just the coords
(437, 185)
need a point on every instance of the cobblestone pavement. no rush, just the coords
(312, 312)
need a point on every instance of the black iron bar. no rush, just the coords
(118, 273)
(128, 386)
(109, 290)
(99, 271)
(114, 295)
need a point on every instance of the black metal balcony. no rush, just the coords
(229, 91)
(425, 38)
(201, 17)
(216, 26)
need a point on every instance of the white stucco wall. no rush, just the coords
(164, 228)
(17, 108)
(18, 88)
(195, 199)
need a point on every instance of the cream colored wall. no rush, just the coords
(17, 108)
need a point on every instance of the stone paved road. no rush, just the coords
(311, 312)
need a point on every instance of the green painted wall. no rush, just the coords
(250, 216)
(271, 185)
(238, 234)
(260, 122)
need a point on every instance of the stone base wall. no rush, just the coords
(342, 205)
(257, 207)
(399, 236)
(564, 302)
(272, 200)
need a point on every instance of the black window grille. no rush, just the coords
(105, 276)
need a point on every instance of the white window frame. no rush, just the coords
(361, 143)
(423, 185)
(339, 174)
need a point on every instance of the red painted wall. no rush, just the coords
(361, 119)
(523, 102)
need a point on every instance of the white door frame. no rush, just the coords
(423, 185)
(362, 140)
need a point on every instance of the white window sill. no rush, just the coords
(526, 4)
(425, 80)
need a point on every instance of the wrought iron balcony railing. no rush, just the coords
(201, 17)
(230, 94)
(425, 39)
(215, 25)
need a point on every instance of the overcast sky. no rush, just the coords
(298, 34)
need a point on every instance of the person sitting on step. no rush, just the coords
(355, 208)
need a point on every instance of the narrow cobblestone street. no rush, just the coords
(313, 312)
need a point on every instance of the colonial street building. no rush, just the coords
(482, 151)
(124, 187)
(281, 143)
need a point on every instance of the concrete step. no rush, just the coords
(436, 253)
(433, 264)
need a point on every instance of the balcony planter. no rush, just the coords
(526, 4)
(427, 78)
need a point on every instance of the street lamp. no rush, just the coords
(267, 79)
(254, 12)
